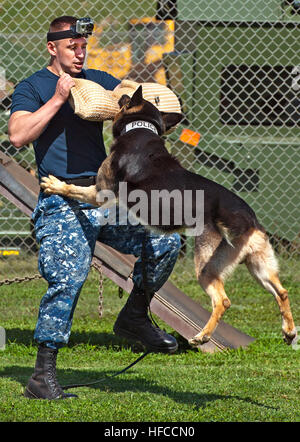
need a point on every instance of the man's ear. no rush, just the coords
(170, 119)
(51, 48)
(125, 99)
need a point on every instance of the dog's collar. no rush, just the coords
(139, 124)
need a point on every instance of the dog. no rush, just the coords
(231, 232)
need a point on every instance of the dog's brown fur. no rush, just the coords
(232, 234)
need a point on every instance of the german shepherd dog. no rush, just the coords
(231, 234)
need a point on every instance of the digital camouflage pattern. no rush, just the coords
(67, 231)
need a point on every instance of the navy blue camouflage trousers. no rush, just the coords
(67, 231)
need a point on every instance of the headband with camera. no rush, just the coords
(82, 28)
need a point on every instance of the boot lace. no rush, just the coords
(52, 380)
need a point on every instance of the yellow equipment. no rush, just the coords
(140, 58)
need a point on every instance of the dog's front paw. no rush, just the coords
(52, 185)
(290, 337)
(199, 339)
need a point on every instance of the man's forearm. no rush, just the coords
(25, 128)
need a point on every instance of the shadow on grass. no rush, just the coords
(107, 340)
(118, 384)
(125, 384)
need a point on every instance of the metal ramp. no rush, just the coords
(173, 306)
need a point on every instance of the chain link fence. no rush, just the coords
(235, 66)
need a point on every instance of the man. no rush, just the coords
(73, 149)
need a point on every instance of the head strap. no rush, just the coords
(82, 28)
(59, 35)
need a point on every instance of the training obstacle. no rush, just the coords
(173, 306)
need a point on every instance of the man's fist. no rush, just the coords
(63, 87)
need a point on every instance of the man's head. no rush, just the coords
(67, 53)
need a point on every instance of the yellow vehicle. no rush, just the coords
(139, 55)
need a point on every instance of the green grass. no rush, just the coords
(260, 383)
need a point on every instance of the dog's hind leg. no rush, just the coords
(222, 263)
(205, 247)
(205, 255)
(262, 264)
(214, 287)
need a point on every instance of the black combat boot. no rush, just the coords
(133, 323)
(43, 383)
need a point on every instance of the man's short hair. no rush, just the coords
(59, 23)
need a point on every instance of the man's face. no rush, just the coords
(70, 54)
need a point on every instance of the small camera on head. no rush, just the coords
(83, 26)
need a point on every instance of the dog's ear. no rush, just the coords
(137, 97)
(125, 99)
(170, 119)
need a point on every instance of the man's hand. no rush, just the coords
(63, 87)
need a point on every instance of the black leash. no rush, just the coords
(146, 290)
(67, 387)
